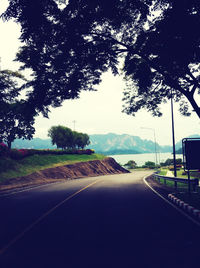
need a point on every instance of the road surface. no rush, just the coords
(107, 221)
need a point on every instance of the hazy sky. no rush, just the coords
(99, 112)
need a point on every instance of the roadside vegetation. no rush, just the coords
(21, 162)
(12, 168)
(65, 138)
(131, 165)
(192, 198)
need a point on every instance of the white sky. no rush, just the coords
(99, 112)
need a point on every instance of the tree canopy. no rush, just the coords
(69, 44)
(65, 138)
(131, 164)
(16, 116)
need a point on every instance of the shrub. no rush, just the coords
(88, 151)
(15, 154)
(22, 153)
(3, 149)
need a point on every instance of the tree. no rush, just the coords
(149, 164)
(65, 138)
(81, 140)
(16, 116)
(68, 44)
(61, 136)
(164, 57)
(169, 162)
(85, 140)
(131, 164)
(15, 123)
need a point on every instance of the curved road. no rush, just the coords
(107, 221)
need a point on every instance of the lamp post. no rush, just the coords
(156, 160)
(173, 136)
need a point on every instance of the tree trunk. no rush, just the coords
(9, 144)
(193, 103)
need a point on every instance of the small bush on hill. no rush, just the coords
(17, 154)
(3, 149)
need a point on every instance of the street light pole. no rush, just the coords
(173, 135)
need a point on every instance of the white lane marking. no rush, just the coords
(27, 188)
(19, 236)
(178, 209)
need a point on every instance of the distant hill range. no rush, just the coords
(124, 144)
(179, 144)
(35, 143)
(108, 144)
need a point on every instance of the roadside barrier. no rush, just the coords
(190, 209)
(191, 182)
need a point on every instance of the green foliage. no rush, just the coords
(3, 149)
(131, 164)
(69, 47)
(22, 153)
(149, 164)
(80, 140)
(15, 123)
(16, 116)
(15, 154)
(164, 57)
(64, 138)
(61, 136)
(163, 172)
(170, 161)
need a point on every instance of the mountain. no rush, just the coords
(35, 143)
(179, 144)
(108, 144)
(124, 144)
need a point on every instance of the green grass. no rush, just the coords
(192, 198)
(171, 184)
(16, 168)
(180, 186)
(163, 172)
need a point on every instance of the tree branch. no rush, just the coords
(193, 78)
(170, 81)
(193, 89)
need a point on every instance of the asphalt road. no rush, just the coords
(108, 221)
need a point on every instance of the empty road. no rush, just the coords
(107, 221)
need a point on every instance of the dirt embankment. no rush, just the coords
(67, 172)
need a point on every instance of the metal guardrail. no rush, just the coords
(191, 182)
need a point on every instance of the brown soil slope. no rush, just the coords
(61, 173)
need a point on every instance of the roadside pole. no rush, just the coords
(173, 139)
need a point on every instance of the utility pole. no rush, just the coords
(173, 136)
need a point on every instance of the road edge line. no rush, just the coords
(178, 209)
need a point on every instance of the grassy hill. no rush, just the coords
(10, 168)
